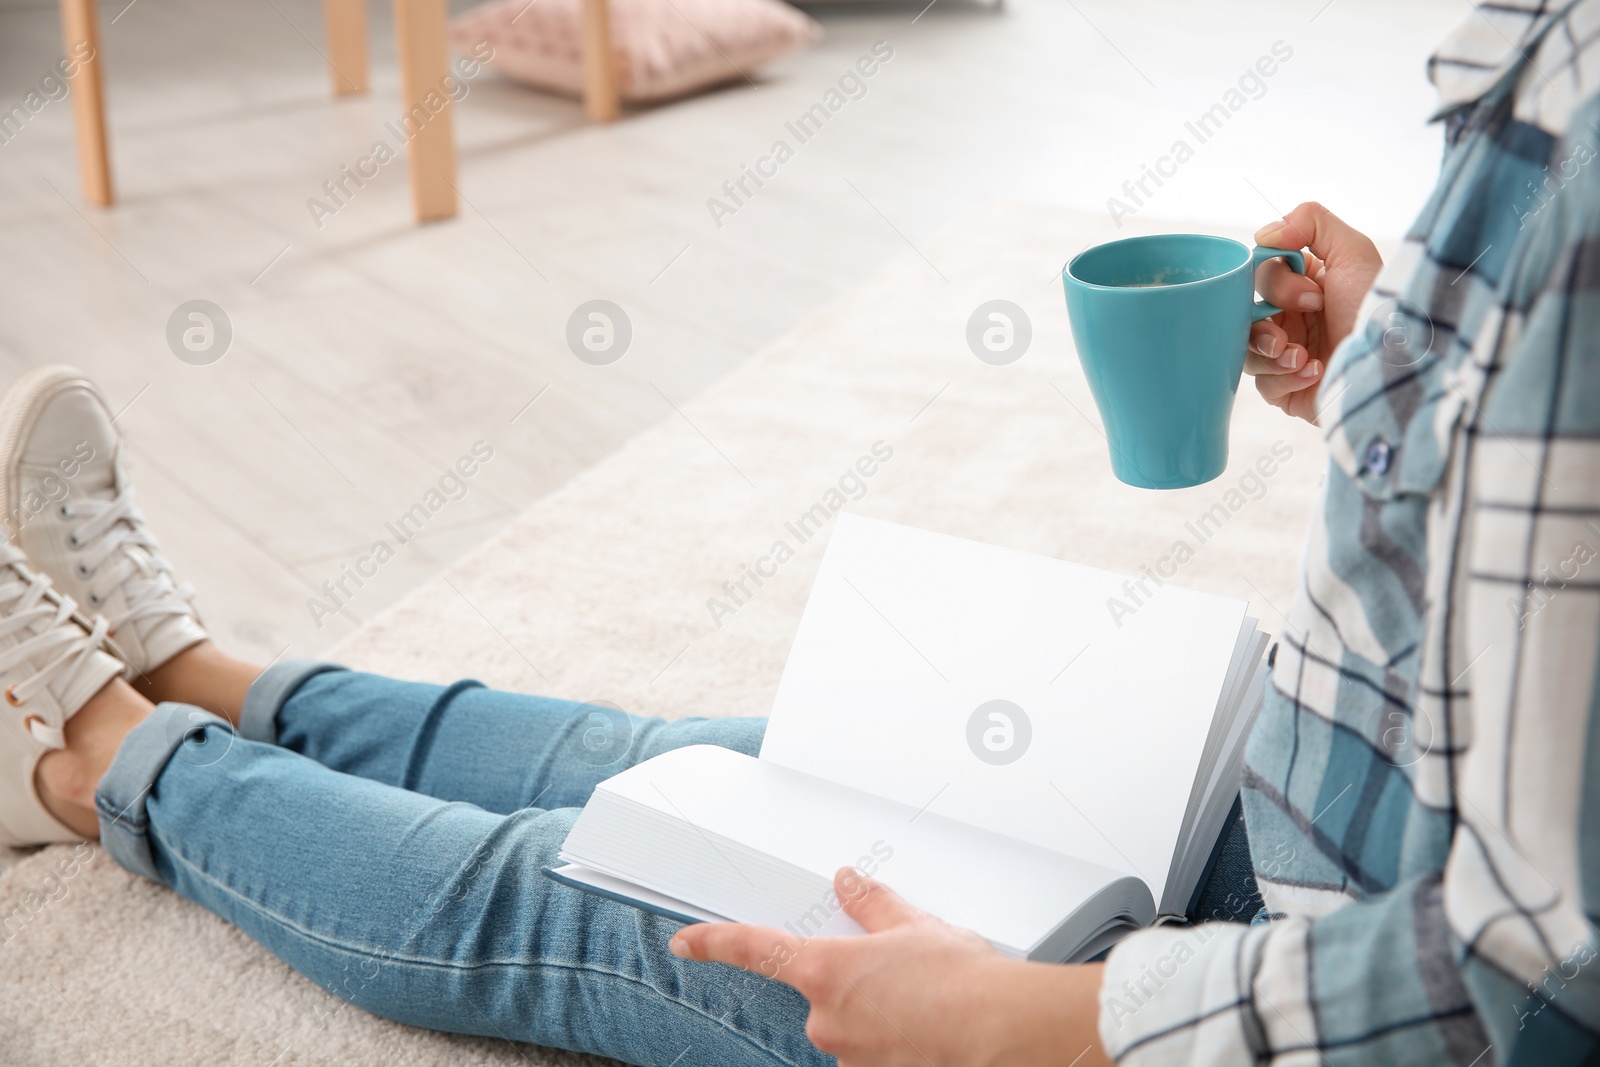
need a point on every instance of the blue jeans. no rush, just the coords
(385, 839)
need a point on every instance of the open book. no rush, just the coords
(1042, 752)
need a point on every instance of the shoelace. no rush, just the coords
(43, 621)
(110, 527)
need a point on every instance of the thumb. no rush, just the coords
(1315, 227)
(871, 903)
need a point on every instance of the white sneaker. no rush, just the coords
(51, 663)
(67, 504)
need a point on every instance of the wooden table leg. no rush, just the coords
(80, 35)
(599, 65)
(420, 36)
(345, 23)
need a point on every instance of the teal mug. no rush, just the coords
(1161, 324)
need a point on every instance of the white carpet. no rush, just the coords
(599, 592)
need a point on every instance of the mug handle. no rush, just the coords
(1297, 263)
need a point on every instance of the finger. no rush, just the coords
(1268, 338)
(1257, 365)
(1281, 286)
(752, 948)
(1315, 227)
(1315, 268)
(871, 903)
(1276, 386)
(1291, 359)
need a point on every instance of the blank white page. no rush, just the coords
(908, 632)
(749, 816)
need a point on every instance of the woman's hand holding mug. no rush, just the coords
(1289, 351)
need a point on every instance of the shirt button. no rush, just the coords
(1379, 454)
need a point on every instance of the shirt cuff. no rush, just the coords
(1193, 994)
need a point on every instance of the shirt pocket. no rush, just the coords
(1391, 430)
(1389, 433)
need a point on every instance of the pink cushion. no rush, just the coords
(662, 48)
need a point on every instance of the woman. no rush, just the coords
(1417, 790)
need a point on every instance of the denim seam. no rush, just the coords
(261, 910)
(138, 824)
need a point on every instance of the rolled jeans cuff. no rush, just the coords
(258, 718)
(125, 788)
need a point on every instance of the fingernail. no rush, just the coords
(1309, 301)
(678, 947)
(1311, 369)
(1290, 358)
(1267, 344)
(1269, 231)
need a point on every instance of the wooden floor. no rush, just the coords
(369, 355)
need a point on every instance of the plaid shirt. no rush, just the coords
(1423, 785)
